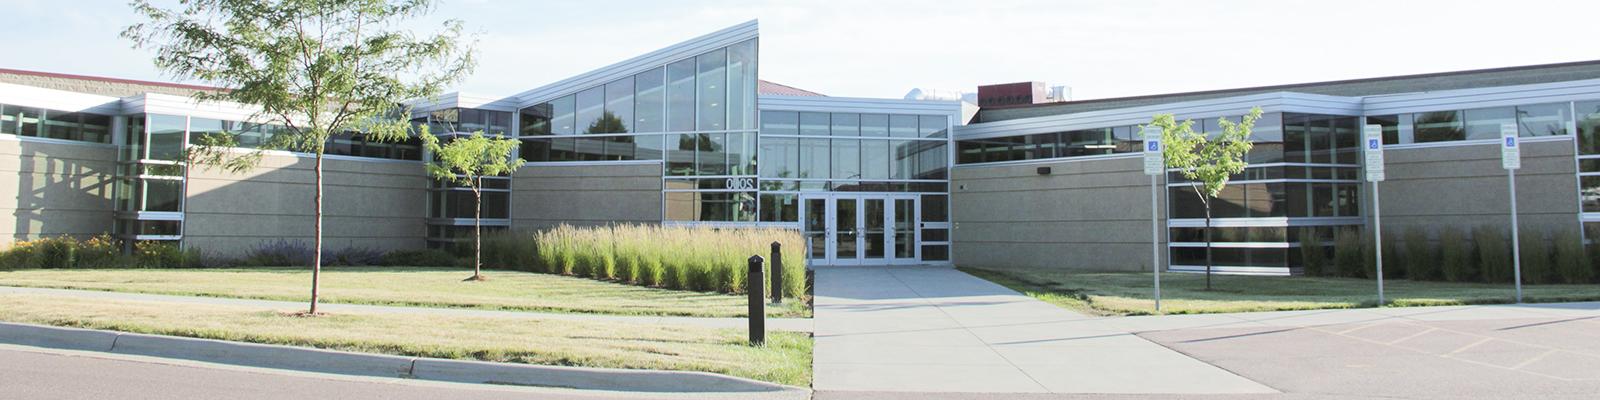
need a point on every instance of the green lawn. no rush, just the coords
(786, 358)
(1184, 293)
(421, 287)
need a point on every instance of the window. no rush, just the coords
(874, 125)
(166, 136)
(780, 208)
(741, 153)
(1588, 127)
(846, 124)
(932, 126)
(712, 157)
(846, 158)
(1485, 123)
(1391, 127)
(535, 120)
(650, 97)
(619, 106)
(563, 120)
(814, 156)
(591, 107)
(903, 126)
(1542, 119)
(814, 124)
(742, 85)
(780, 157)
(680, 96)
(875, 159)
(1438, 126)
(780, 123)
(713, 96)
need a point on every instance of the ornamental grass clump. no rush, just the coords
(1311, 253)
(683, 258)
(1455, 254)
(1571, 264)
(1348, 254)
(1494, 254)
(1422, 261)
(1538, 263)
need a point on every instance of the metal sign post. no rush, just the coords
(1373, 150)
(1511, 160)
(1154, 164)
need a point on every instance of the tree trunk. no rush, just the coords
(477, 230)
(1208, 245)
(316, 251)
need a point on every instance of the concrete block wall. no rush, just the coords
(1465, 187)
(585, 195)
(50, 189)
(374, 204)
(1086, 215)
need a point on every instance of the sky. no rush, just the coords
(884, 48)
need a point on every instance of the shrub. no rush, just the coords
(418, 258)
(510, 250)
(101, 251)
(1455, 255)
(1494, 254)
(1394, 265)
(1571, 264)
(277, 253)
(353, 256)
(1422, 261)
(1348, 253)
(155, 254)
(1311, 257)
(1537, 263)
(697, 258)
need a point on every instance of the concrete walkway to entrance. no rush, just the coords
(935, 329)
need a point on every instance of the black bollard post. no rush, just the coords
(777, 273)
(758, 309)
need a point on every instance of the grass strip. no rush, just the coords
(786, 359)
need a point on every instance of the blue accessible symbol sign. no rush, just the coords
(1372, 144)
(1511, 142)
(1153, 145)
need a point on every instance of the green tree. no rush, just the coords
(314, 67)
(1207, 163)
(466, 161)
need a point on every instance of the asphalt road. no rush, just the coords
(42, 374)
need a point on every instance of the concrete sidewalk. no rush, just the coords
(780, 324)
(935, 329)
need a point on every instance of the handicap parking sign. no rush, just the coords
(1372, 144)
(1511, 142)
(1154, 145)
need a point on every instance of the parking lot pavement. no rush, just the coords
(1550, 357)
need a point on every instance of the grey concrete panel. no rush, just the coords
(1465, 187)
(368, 204)
(1090, 215)
(586, 195)
(54, 189)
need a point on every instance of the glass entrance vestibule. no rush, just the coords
(862, 228)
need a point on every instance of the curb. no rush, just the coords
(378, 365)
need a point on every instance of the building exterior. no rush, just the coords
(691, 135)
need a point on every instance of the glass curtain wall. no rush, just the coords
(150, 178)
(451, 206)
(54, 124)
(817, 152)
(697, 115)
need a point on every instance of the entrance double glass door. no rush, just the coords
(861, 229)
